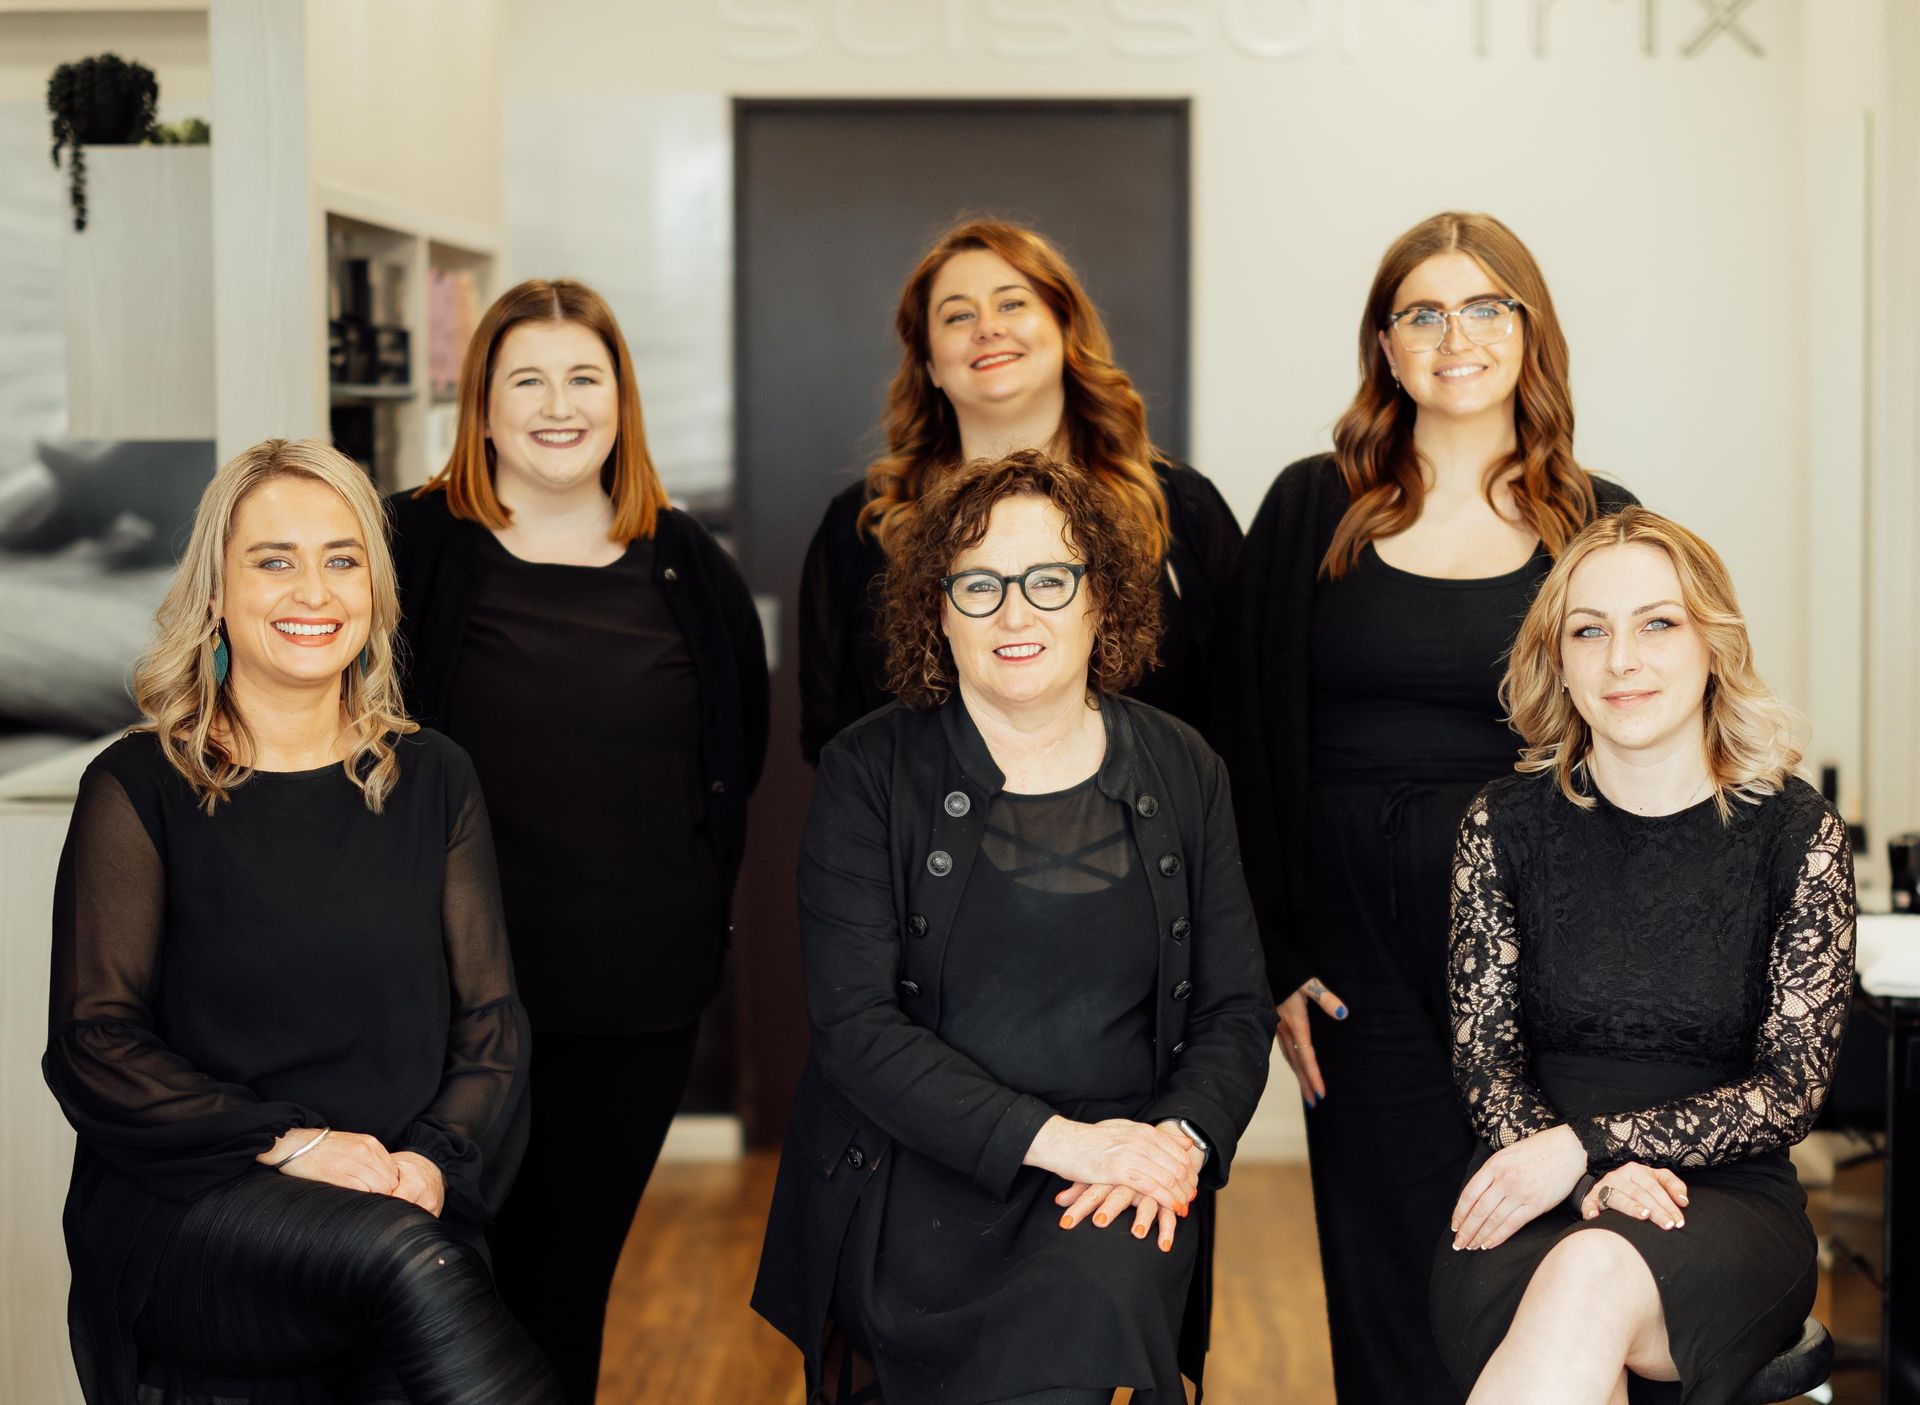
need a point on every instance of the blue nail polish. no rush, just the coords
(1341, 1013)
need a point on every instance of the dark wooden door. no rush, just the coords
(835, 202)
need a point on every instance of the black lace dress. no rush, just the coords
(1675, 988)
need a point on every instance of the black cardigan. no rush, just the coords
(437, 558)
(899, 809)
(842, 662)
(1262, 693)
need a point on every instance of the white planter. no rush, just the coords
(139, 296)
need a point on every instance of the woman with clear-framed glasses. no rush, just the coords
(1361, 652)
(1033, 978)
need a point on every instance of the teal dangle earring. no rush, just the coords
(222, 660)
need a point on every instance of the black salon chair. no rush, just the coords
(1795, 1371)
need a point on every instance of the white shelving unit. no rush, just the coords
(407, 450)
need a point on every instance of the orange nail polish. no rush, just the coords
(1100, 1220)
(1066, 1222)
(1139, 1231)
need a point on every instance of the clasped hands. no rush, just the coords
(1518, 1183)
(1116, 1165)
(356, 1161)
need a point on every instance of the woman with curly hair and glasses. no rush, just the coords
(1379, 592)
(1001, 349)
(283, 1021)
(1650, 971)
(1032, 975)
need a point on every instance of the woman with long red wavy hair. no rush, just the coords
(1001, 350)
(1361, 655)
(597, 653)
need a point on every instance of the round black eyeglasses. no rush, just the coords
(977, 594)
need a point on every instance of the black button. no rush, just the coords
(939, 863)
(718, 787)
(917, 925)
(669, 575)
(1147, 806)
(1169, 864)
(1183, 990)
(1182, 929)
(909, 987)
(957, 803)
(855, 1157)
(1180, 1048)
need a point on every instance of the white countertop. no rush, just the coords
(1888, 953)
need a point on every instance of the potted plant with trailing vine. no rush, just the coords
(101, 101)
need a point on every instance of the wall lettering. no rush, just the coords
(1265, 31)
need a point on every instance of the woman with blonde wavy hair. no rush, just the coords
(1360, 656)
(1001, 350)
(1649, 974)
(283, 1018)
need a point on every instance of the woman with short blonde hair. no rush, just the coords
(1650, 969)
(283, 1018)
(1751, 750)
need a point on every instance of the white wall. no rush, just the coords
(404, 103)
(1661, 176)
(33, 41)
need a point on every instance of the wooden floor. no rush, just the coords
(679, 1331)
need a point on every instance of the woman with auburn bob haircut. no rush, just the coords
(1360, 660)
(599, 654)
(1002, 350)
(283, 1014)
(1650, 970)
(1032, 976)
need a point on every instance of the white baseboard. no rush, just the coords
(704, 1137)
(1277, 1132)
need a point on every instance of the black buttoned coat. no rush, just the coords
(899, 808)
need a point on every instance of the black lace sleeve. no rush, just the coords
(1490, 1060)
(134, 1101)
(1810, 986)
(475, 1129)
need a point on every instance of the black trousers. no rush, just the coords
(601, 1108)
(1390, 1143)
(272, 1276)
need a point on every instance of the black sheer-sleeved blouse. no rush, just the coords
(292, 960)
(1676, 939)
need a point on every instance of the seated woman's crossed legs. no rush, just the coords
(269, 1275)
(1590, 1314)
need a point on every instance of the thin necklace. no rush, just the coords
(1688, 803)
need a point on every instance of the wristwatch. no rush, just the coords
(1193, 1135)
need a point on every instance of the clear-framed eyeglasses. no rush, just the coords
(980, 593)
(1485, 322)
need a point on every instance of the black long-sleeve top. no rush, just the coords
(292, 960)
(499, 652)
(1263, 695)
(1674, 938)
(843, 663)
